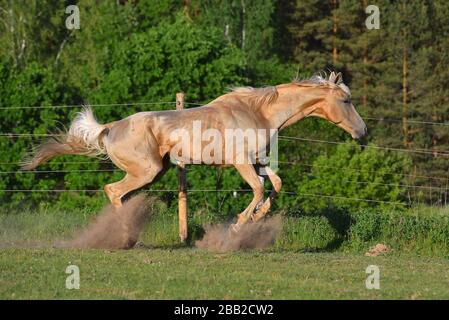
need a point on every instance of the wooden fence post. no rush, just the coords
(182, 184)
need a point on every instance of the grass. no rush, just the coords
(317, 256)
(186, 273)
(423, 231)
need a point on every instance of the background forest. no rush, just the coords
(131, 56)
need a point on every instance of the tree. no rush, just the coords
(247, 24)
(151, 65)
(31, 30)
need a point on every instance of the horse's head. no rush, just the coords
(337, 107)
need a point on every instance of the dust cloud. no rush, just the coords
(114, 228)
(258, 235)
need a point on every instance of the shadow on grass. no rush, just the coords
(341, 221)
(327, 229)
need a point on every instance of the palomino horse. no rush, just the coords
(140, 144)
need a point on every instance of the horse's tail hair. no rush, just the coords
(84, 138)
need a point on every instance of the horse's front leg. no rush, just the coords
(277, 184)
(248, 173)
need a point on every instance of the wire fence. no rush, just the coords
(60, 171)
(59, 162)
(431, 152)
(444, 190)
(433, 123)
(418, 151)
(281, 137)
(90, 105)
(372, 183)
(403, 175)
(297, 162)
(218, 190)
(145, 103)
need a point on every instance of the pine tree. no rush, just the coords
(429, 99)
(409, 89)
(311, 27)
(391, 71)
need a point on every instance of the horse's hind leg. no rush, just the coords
(139, 172)
(130, 182)
(277, 184)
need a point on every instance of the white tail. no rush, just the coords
(86, 128)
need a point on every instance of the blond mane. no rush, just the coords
(256, 98)
(253, 97)
(334, 80)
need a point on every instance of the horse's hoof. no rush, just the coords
(256, 217)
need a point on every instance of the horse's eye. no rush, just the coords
(347, 101)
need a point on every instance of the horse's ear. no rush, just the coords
(333, 77)
(339, 78)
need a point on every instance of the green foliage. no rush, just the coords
(422, 230)
(32, 31)
(407, 231)
(169, 58)
(151, 65)
(146, 51)
(249, 26)
(307, 232)
(353, 173)
(32, 86)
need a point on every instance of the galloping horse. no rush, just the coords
(141, 144)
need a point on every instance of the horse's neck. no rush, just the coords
(288, 109)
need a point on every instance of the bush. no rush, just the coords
(414, 230)
(353, 172)
(405, 230)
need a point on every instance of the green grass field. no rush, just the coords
(185, 273)
(315, 257)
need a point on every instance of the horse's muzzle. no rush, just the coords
(360, 133)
